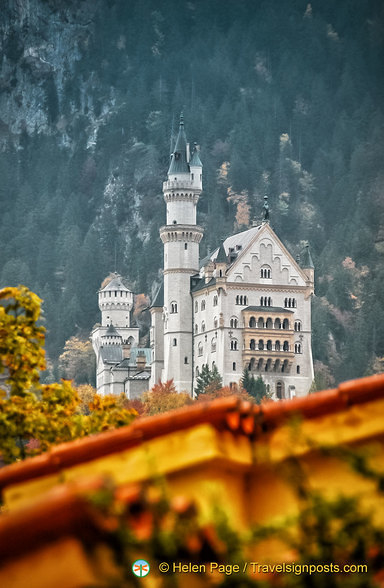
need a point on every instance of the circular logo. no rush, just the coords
(140, 568)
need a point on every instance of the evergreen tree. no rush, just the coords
(208, 380)
(254, 386)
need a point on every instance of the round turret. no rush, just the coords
(111, 337)
(115, 303)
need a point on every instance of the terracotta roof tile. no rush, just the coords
(230, 413)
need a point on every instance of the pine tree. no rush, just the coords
(255, 387)
(208, 380)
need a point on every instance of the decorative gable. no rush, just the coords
(265, 260)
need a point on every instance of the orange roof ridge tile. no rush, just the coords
(230, 412)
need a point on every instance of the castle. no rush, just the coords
(247, 305)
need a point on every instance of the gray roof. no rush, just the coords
(237, 242)
(144, 375)
(306, 259)
(201, 284)
(111, 332)
(195, 159)
(179, 164)
(116, 283)
(111, 353)
(221, 257)
(268, 309)
(158, 300)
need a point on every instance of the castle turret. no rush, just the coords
(115, 303)
(181, 237)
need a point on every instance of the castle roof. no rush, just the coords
(221, 257)
(179, 163)
(111, 353)
(158, 301)
(111, 332)
(268, 309)
(115, 284)
(306, 261)
(236, 242)
(195, 159)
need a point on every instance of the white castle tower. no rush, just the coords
(181, 237)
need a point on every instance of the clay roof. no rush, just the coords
(229, 413)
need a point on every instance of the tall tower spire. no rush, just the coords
(181, 237)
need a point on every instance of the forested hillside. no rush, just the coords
(283, 97)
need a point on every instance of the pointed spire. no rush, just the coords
(307, 259)
(195, 159)
(221, 256)
(179, 163)
(266, 209)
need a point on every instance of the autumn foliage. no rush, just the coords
(33, 416)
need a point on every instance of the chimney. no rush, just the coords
(208, 271)
(140, 361)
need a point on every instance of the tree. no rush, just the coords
(77, 361)
(30, 411)
(164, 397)
(255, 387)
(208, 380)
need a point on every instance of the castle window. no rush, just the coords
(196, 329)
(213, 345)
(185, 245)
(252, 344)
(261, 345)
(192, 177)
(200, 349)
(277, 323)
(233, 323)
(269, 345)
(298, 369)
(185, 359)
(173, 307)
(297, 326)
(260, 323)
(269, 323)
(233, 345)
(196, 306)
(252, 322)
(265, 272)
(203, 305)
(197, 371)
(203, 327)
(215, 301)
(297, 348)
(285, 324)
(277, 346)
(279, 390)
(174, 342)
(215, 322)
(234, 366)
(285, 346)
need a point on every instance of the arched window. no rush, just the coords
(200, 349)
(234, 366)
(262, 301)
(252, 322)
(196, 329)
(277, 346)
(233, 323)
(233, 344)
(279, 390)
(285, 324)
(203, 305)
(260, 323)
(297, 326)
(285, 346)
(220, 273)
(203, 327)
(197, 371)
(261, 345)
(269, 345)
(196, 306)
(252, 344)
(185, 359)
(173, 307)
(215, 300)
(174, 342)
(298, 369)
(237, 299)
(265, 272)
(213, 345)
(297, 348)
(215, 322)
(277, 323)
(245, 300)
(269, 323)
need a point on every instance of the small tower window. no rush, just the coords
(185, 359)
(185, 245)
(203, 326)
(298, 369)
(192, 177)
(203, 305)
(175, 342)
(196, 306)
(234, 345)
(173, 307)
(234, 366)
(215, 301)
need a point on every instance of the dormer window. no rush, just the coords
(177, 155)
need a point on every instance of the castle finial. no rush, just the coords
(266, 209)
(181, 119)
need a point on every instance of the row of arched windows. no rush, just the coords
(233, 323)
(203, 304)
(260, 323)
(265, 273)
(265, 301)
(123, 293)
(242, 300)
(269, 365)
(290, 302)
(173, 307)
(268, 346)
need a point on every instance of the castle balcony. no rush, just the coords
(179, 185)
(267, 361)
